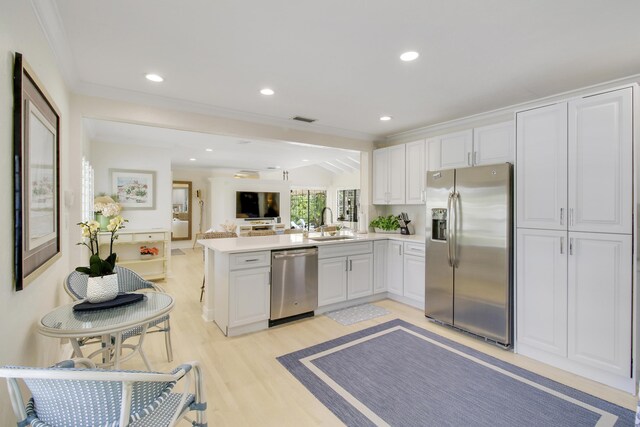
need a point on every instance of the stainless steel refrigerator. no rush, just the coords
(469, 250)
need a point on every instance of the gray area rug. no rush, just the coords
(177, 252)
(351, 315)
(398, 374)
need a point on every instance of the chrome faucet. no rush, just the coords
(322, 224)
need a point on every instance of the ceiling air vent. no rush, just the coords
(303, 119)
(247, 175)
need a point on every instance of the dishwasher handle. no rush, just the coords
(295, 254)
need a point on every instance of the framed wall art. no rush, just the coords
(135, 188)
(36, 183)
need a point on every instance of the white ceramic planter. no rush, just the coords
(103, 288)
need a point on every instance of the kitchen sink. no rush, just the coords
(325, 238)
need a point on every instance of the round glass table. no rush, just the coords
(64, 322)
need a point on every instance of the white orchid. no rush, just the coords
(90, 230)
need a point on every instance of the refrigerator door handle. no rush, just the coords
(454, 243)
(449, 211)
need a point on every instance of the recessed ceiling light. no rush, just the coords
(192, 159)
(385, 118)
(409, 56)
(209, 149)
(305, 160)
(267, 91)
(154, 78)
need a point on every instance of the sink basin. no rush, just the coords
(325, 238)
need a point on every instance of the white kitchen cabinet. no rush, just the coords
(332, 280)
(389, 176)
(576, 173)
(541, 159)
(601, 163)
(343, 278)
(413, 271)
(493, 144)
(600, 294)
(541, 287)
(432, 148)
(249, 296)
(456, 149)
(360, 276)
(415, 173)
(395, 268)
(380, 266)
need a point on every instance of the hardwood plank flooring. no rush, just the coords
(247, 386)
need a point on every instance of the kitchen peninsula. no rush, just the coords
(351, 270)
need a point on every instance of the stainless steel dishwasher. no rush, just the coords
(294, 284)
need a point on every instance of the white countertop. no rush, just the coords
(282, 241)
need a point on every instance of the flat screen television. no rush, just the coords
(257, 204)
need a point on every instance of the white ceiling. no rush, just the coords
(337, 61)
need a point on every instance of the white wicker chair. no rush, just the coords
(128, 281)
(64, 395)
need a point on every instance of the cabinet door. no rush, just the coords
(381, 176)
(433, 154)
(249, 294)
(395, 276)
(414, 278)
(601, 163)
(541, 167)
(396, 174)
(380, 266)
(541, 301)
(600, 301)
(332, 280)
(493, 144)
(455, 149)
(415, 172)
(360, 277)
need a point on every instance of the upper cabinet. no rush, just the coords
(389, 175)
(415, 173)
(473, 147)
(575, 165)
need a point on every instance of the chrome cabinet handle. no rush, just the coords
(346, 265)
(571, 246)
(350, 265)
(469, 158)
(475, 158)
(561, 216)
(571, 216)
(562, 245)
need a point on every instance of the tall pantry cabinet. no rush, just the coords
(574, 240)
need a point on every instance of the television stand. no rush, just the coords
(259, 224)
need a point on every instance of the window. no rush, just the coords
(306, 208)
(348, 202)
(87, 190)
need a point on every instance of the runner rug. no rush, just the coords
(398, 374)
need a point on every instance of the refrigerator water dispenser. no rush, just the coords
(438, 224)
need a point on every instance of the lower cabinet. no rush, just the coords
(249, 296)
(380, 266)
(343, 278)
(395, 267)
(574, 299)
(414, 277)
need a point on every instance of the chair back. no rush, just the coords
(254, 233)
(62, 396)
(218, 235)
(128, 281)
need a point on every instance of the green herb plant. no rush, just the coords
(386, 223)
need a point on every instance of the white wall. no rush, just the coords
(20, 311)
(223, 196)
(199, 181)
(106, 156)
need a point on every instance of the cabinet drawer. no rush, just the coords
(249, 260)
(148, 237)
(105, 239)
(344, 249)
(411, 248)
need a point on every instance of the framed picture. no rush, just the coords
(36, 142)
(135, 189)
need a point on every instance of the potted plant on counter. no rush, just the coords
(386, 224)
(102, 284)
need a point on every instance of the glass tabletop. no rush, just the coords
(64, 321)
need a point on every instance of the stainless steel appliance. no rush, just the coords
(294, 284)
(469, 255)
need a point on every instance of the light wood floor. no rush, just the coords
(247, 386)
